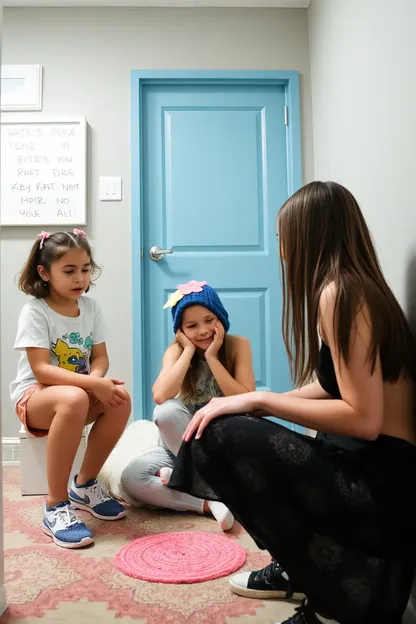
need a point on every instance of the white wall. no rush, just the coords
(87, 55)
(363, 69)
(2, 594)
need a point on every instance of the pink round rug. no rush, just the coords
(180, 557)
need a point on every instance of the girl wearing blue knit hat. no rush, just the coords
(203, 362)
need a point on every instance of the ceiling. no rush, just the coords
(294, 4)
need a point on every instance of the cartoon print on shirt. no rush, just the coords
(88, 342)
(70, 358)
(75, 338)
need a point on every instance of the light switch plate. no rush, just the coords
(110, 189)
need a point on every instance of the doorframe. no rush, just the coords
(141, 78)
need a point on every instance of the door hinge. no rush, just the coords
(286, 115)
(142, 253)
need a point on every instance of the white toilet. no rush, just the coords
(33, 481)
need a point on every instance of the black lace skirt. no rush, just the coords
(339, 520)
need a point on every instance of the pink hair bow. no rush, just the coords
(80, 233)
(42, 237)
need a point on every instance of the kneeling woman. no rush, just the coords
(203, 362)
(335, 511)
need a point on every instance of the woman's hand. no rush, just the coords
(215, 345)
(237, 404)
(184, 341)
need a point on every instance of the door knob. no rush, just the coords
(156, 253)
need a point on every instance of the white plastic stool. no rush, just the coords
(33, 480)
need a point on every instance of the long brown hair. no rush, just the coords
(53, 248)
(226, 355)
(324, 238)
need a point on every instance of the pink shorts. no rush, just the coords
(21, 409)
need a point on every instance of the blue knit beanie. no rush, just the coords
(197, 293)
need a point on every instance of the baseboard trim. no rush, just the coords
(10, 451)
(3, 604)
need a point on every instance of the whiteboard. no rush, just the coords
(43, 171)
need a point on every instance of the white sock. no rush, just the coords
(165, 474)
(222, 515)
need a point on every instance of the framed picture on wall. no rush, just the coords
(21, 88)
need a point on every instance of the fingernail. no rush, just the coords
(197, 436)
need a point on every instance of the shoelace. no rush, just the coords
(301, 615)
(270, 571)
(275, 569)
(67, 515)
(100, 492)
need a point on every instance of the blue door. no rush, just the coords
(214, 172)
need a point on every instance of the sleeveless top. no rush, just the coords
(206, 388)
(328, 380)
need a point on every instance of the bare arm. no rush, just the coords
(99, 360)
(243, 380)
(108, 391)
(360, 411)
(312, 390)
(174, 368)
(50, 375)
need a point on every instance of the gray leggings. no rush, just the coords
(139, 478)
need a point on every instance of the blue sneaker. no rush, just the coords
(62, 524)
(95, 499)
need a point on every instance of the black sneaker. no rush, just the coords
(266, 583)
(304, 614)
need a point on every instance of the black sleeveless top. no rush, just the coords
(328, 380)
(326, 372)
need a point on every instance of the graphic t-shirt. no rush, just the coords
(69, 339)
(206, 388)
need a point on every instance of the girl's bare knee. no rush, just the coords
(122, 412)
(126, 398)
(74, 400)
(127, 406)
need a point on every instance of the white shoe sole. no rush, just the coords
(79, 505)
(263, 594)
(86, 541)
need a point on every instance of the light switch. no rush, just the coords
(110, 189)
